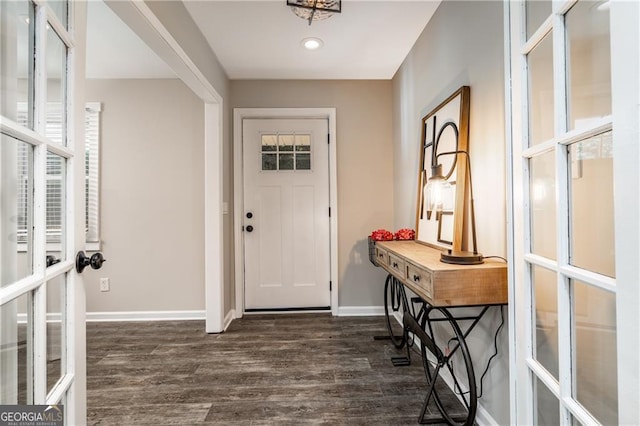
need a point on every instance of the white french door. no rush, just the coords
(286, 213)
(568, 143)
(42, 341)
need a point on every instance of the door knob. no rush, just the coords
(82, 261)
(249, 228)
(51, 260)
(249, 215)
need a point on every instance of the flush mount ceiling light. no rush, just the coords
(315, 10)
(311, 43)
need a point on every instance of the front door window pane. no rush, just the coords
(540, 67)
(56, 109)
(286, 142)
(283, 152)
(588, 63)
(16, 218)
(591, 189)
(545, 295)
(16, 58)
(286, 162)
(16, 346)
(542, 188)
(595, 354)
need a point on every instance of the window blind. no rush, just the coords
(56, 173)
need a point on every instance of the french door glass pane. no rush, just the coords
(596, 355)
(591, 189)
(588, 63)
(16, 38)
(547, 406)
(56, 88)
(537, 12)
(55, 328)
(540, 68)
(542, 187)
(16, 217)
(15, 327)
(60, 8)
(546, 318)
(56, 180)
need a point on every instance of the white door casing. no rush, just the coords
(286, 213)
(241, 114)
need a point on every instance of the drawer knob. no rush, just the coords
(416, 278)
(395, 264)
(380, 255)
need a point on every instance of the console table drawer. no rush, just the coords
(421, 279)
(397, 265)
(382, 257)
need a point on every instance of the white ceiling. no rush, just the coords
(260, 39)
(115, 51)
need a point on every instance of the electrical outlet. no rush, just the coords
(105, 284)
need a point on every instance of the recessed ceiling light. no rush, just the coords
(312, 43)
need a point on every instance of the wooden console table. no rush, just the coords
(418, 267)
(441, 288)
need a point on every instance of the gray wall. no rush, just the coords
(175, 17)
(461, 45)
(365, 176)
(152, 207)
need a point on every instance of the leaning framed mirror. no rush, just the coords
(445, 132)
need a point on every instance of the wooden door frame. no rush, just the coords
(239, 115)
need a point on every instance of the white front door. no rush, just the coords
(42, 306)
(286, 213)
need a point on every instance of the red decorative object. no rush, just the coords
(382, 235)
(405, 234)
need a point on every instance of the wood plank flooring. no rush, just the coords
(267, 369)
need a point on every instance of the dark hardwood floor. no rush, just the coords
(275, 369)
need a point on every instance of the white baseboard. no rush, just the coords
(360, 311)
(145, 316)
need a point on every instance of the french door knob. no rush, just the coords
(95, 261)
(249, 228)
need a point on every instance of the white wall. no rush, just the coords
(152, 207)
(461, 45)
(364, 161)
